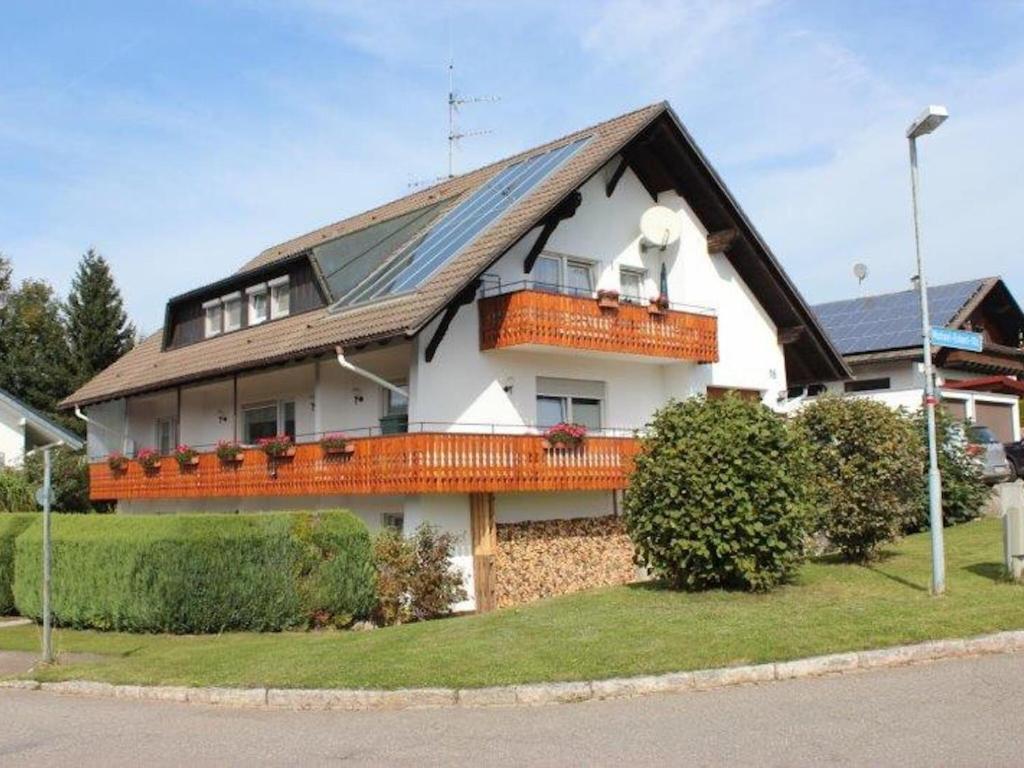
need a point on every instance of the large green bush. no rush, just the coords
(717, 497)
(200, 573)
(10, 527)
(964, 490)
(16, 492)
(865, 465)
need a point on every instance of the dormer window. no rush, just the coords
(258, 306)
(280, 297)
(214, 312)
(232, 311)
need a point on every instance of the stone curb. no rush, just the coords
(539, 694)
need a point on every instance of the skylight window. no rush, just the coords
(419, 261)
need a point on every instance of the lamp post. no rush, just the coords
(44, 498)
(928, 121)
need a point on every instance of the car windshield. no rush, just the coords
(981, 435)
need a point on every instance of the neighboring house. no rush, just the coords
(880, 337)
(469, 320)
(22, 429)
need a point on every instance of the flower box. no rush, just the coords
(658, 305)
(277, 447)
(186, 456)
(149, 459)
(230, 452)
(337, 444)
(608, 299)
(117, 462)
(564, 437)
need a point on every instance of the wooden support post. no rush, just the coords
(484, 534)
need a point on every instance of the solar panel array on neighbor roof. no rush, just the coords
(419, 260)
(891, 320)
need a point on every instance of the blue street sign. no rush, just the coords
(948, 337)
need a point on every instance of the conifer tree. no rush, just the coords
(98, 330)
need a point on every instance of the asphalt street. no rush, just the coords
(958, 712)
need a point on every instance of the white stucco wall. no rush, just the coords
(12, 437)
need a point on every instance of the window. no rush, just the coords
(571, 400)
(866, 385)
(166, 436)
(631, 284)
(232, 311)
(257, 303)
(392, 521)
(268, 420)
(396, 404)
(280, 297)
(553, 272)
(214, 311)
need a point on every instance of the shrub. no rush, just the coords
(865, 470)
(964, 490)
(16, 492)
(716, 498)
(10, 527)
(415, 579)
(200, 573)
(69, 479)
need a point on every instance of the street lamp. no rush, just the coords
(44, 498)
(927, 122)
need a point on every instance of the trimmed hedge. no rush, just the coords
(11, 525)
(200, 573)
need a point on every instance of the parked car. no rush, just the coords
(982, 443)
(1015, 454)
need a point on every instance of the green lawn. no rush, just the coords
(605, 633)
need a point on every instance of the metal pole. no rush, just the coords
(934, 478)
(47, 622)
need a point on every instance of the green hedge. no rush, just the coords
(200, 573)
(10, 526)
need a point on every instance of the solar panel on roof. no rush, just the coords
(462, 225)
(891, 321)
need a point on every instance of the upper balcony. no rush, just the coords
(532, 315)
(410, 463)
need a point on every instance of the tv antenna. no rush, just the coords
(454, 102)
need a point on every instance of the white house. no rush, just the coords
(22, 429)
(880, 338)
(444, 331)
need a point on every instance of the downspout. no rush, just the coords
(367, 375)
(104, 427)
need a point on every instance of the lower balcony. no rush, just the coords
(438, 462)
(536, 317)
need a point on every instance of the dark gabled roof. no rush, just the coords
(47, 427)
(657, 148)
(892, 321)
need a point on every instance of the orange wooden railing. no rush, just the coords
(392, 464)
(552, 319)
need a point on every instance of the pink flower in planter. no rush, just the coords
(278, 445)
(228, 450)
(185, 455)
(117, 461)
(148, 458)
(570, 435)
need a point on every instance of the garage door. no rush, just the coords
(997, 417)
(955, 408)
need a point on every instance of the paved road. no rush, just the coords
(963, 712)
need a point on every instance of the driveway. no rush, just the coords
(959, 712)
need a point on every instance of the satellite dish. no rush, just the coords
(860, 271)
(660, 227)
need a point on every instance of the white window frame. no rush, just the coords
(279, 405)
(280, 286)
(640, 273)
(231, 300)
(251, 293)
(172, 423)
(567, 398)
(564, 260)
(213, 327)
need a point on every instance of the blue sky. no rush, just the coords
(181, 138)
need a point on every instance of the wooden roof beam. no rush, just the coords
(722, 240)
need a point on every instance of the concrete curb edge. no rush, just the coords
(535, 694)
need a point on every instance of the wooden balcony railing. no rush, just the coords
(552, 319)
(391, 464)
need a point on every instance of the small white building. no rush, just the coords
(443, 332)
(880, 338)
(22, 429)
